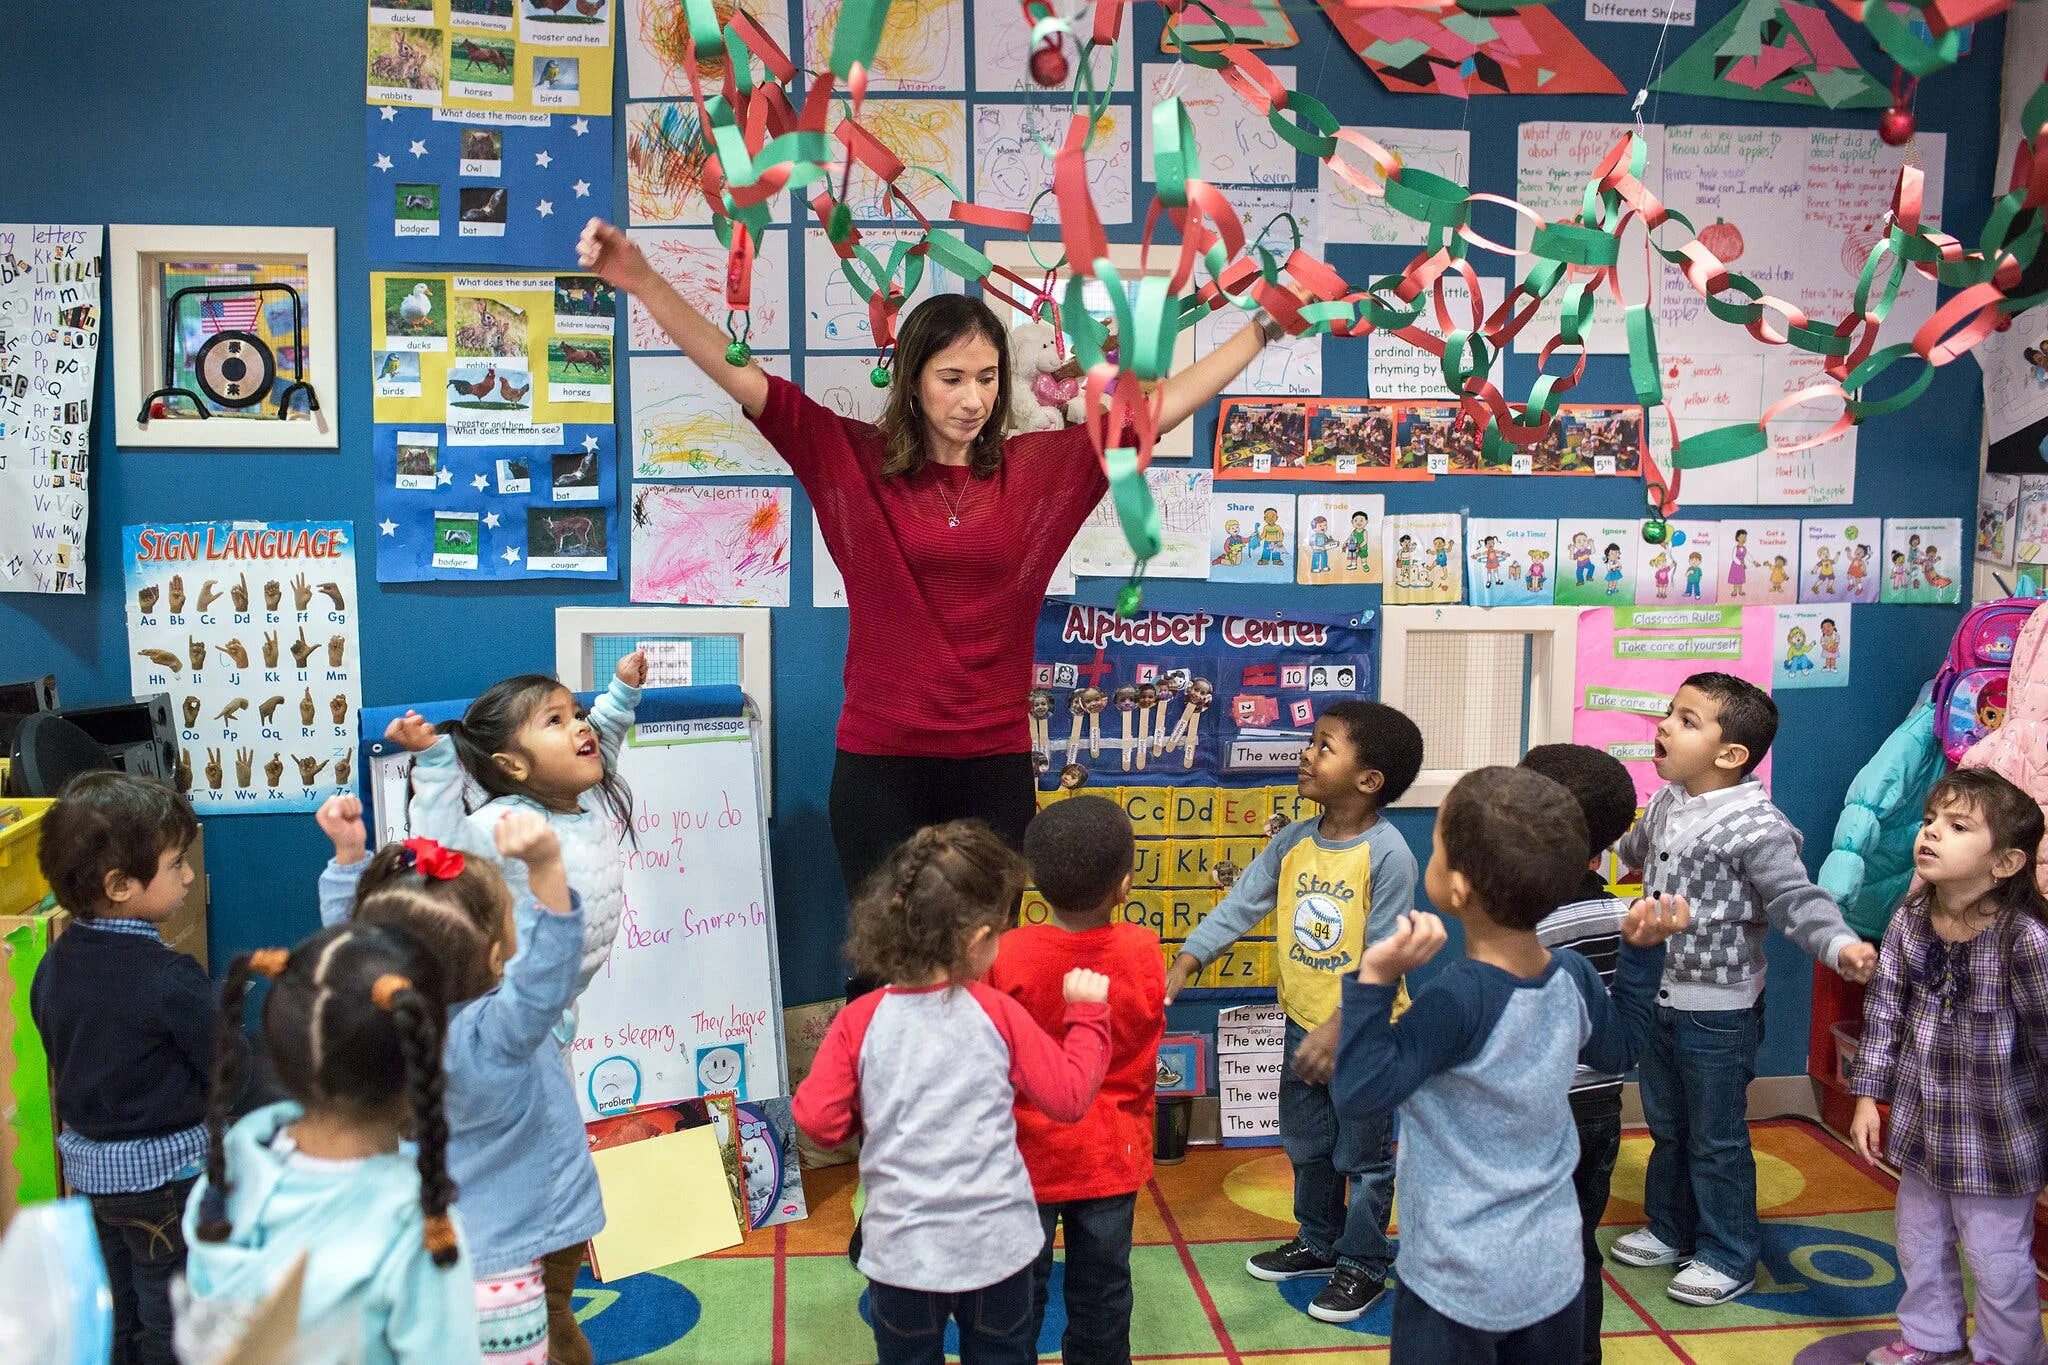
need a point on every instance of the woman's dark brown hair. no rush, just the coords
(932, 326)
(915, 915)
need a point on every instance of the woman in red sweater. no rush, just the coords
(947, 535)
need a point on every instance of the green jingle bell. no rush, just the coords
(879, 376)
(1127, 599)
(737, 354)
(1656, 532)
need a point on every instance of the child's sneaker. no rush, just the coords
(1901, 1352)
(1644, 1248)
(1348, 1295)
(1288, 1261)
(1702, 1286)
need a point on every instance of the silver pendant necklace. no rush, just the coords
(952, 504)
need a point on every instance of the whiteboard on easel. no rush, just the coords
(690, 1002)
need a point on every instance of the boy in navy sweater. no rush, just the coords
(1480, 1067)
(128, 1023)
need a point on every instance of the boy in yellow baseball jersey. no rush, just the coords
(1338, 881)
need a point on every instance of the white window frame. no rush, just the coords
(1553, 667)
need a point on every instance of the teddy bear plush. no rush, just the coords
(1045, 389)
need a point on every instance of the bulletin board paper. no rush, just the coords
(1200, 779)
(714, 546)
(534, 56)
(1632, 661)
(251, 629)
(483, 188)
(49, 356)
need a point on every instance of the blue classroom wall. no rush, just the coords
(226, 115)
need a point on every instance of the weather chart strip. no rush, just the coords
(1194, 723)
(494, 445)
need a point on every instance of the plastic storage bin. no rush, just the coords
(22, 887)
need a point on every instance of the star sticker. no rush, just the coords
(418, 148)
(511, 555)
(581, 126)
(388, 113)
(490, 521)
(445, 477)
(546, 208)
(582, 188)
(388, 527)
(590, 445)
(383, 162)
(480, 483)
(542, 159)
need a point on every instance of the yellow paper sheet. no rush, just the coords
(665, 1200)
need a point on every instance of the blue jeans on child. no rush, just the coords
(1334, 1158)
(1425, 1336)
(1700, 1190)
(142, 1240)
(995, 1323)
(1097, 1280)
(1599, 1124)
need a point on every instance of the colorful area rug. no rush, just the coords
(788, 1297)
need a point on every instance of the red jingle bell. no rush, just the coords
(1896, 126)
(1049, 65)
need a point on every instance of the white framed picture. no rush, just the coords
(223, 337)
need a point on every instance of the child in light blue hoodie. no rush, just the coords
(353, 1027)
(516, 1144)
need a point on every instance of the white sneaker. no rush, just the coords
(1643, 1248)
(1702, 1286)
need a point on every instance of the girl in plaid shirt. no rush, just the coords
(1956, 1039)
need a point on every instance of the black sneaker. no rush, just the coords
(1350, 1293)
(1289, 1261)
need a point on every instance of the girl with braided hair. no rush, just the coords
(516, 1144)
(353, 1027)
(928, 1068)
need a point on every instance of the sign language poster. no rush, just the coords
(251, 629)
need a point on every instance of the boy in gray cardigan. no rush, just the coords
(1713, 837)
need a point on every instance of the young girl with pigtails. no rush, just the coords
(516, 1145)
(529, 745)
(353, 1028)
(928, 1069)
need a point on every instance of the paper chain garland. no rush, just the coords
(760, 145)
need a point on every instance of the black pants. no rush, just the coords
(1423, 1336)
(995, 1323)
(142, 1239)
(1599, 1124)
(1097, 1282)
(880, 800)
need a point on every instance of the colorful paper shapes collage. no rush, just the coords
(1526, 51)
(1779, 52)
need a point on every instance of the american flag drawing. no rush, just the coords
(228, 312)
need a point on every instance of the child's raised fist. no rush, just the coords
(411, 733)
(1083, 987)
(1417, 937)
(1857, 963)
(1652, 919)
(527, 836)
(632, 670)
(341, 819)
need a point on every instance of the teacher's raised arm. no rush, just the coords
(612, 255)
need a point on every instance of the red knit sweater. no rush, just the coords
(939, 644)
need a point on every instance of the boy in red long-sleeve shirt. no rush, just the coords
(1086, 1176)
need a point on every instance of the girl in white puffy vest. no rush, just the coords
(529, 745)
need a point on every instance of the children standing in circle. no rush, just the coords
(352, 1026)
(928, 1070)
(1955, 1037)
(528, 744)
(516, 1144)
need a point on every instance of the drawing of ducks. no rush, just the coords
(417, 308)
